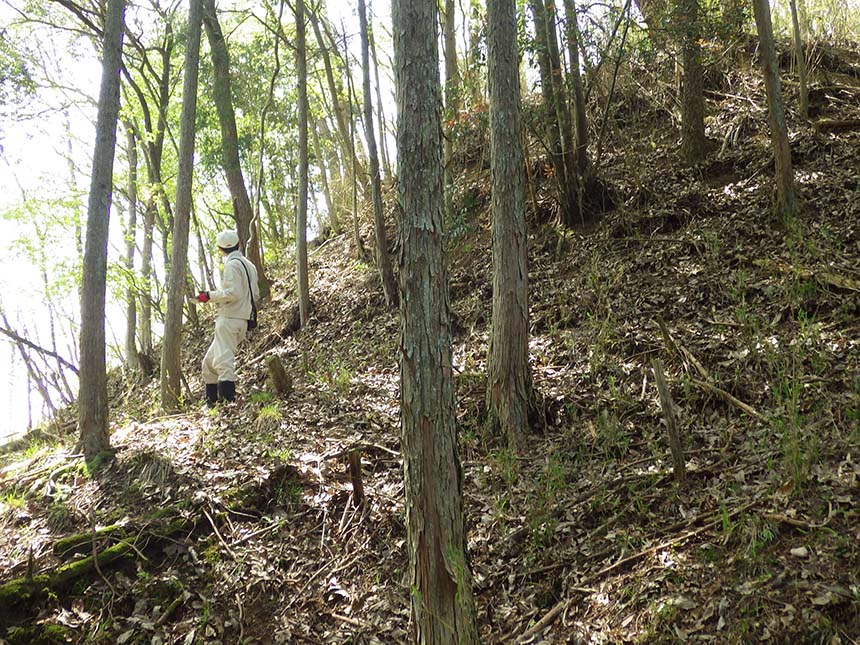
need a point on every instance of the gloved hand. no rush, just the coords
(203, 296)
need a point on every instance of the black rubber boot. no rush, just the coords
(211, 394)
(227, 390)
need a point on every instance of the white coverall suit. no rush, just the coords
(234, 309)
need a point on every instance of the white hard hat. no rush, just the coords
(227, 239)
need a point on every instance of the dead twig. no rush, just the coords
(728, 398)
(218, 534)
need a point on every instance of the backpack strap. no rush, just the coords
(250, 289)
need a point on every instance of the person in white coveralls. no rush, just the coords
(237, 313)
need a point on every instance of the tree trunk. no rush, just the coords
(551, 101)
(800, 57)
(223, 98)
(786, 202)
(360, 251)
(153, 147)
(339, 111)
(443, 606)
(380, 113)
(579, 114)
(692, 96)
(452, 90)
(383, 259)
(508, 374)
(171, 348)
(302, 206)
(92, 395)
(131, 356)
(321, 164)
(146, 280)
(275, 236)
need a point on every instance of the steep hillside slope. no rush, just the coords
(239, 524)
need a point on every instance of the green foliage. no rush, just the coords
(543, 514)
(12, 500)
(261, 397)
(16, 79)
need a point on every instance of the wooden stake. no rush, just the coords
(671, 422)
(281, 381)
(355, 477)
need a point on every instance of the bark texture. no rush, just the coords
(92, 396)
(443, 606)
(302, 205)
(692, 96)
(383, 258)
(786, 201)
(171, 348)
(508, 375)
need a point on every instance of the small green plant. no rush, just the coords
(288, 495)
(543, 518)
(281, 454)
(261, 397)
(12, 500)
(503, 461)
(611, 437)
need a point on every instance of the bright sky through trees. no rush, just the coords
(46, 145)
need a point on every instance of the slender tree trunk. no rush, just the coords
(452, 92)
(508, 375)
(145, 326)
(302, 206)
(692, 97)
(92, 396)
(349, 150)
(562, 115)
(171, 348)
(579, 114)
(800, 57)
(329, 204)
(360, 250)
(270, 101)
(380, 112)
(383, 259)
(222, 95)
(786, 202)
(551, 107)
(443, 606)
(132, 359)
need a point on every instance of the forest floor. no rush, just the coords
(237, 525)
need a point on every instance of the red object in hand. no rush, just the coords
(203, 296)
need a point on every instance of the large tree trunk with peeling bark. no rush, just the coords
(440, 579)
(508, 375)
(223, 98)
(93, 421)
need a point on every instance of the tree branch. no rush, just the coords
(46, 352)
